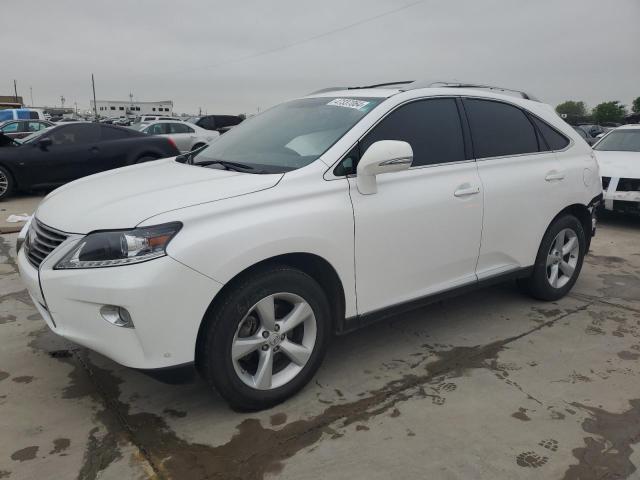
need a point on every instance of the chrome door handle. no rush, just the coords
(466, 191)
(554, 175)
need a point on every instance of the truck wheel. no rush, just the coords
(559, 260)
(6, 183)
(266, 338)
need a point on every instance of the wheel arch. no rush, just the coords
(11, 172)
(582, 213)
(313, 265)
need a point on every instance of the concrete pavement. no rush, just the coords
(489, 385)
(17, 205)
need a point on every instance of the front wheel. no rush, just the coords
(266, 338)
(559, 260)
(6, 183)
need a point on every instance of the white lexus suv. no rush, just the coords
(316, 217)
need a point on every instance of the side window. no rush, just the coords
(11, 127)
(156, 129)
(432, 128)
(110, 133)
(34, 115)
(179, 128)
(554, 140)
(35, 126)
(499, 129)
(75, 134)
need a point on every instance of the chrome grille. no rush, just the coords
(41, 241)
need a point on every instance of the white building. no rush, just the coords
(119, 108)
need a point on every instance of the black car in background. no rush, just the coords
(219, 123)
(66, 152)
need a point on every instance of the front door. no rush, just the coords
(420, 233)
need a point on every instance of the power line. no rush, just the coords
(299, 42)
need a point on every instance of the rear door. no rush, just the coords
(420, 233)
(524, 182)
(184, 136)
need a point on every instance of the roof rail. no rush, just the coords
(377, 85)
(412, 85)
(432, 84)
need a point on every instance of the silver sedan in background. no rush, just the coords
(186, 136)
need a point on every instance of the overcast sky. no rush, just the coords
(238, 56)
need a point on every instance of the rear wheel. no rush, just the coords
(559, 260)
(6, 183)
(266, 339)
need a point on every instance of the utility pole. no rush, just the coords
(15, 90)
(31, 94)
(95, 106)
(62, 99)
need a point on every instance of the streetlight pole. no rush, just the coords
(95, 106)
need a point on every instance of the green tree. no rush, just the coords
(573, 112)
(635, 106)
(609, 112)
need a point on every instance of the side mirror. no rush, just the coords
(385, 156)
(45, 143)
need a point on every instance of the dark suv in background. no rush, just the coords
(219, 123)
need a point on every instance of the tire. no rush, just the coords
(243, 313)
(543, 284)
(7, 184)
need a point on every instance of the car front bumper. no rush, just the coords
(626, 202)
(166, 300)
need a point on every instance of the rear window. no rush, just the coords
(499, 129)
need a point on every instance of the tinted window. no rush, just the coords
(34, 115)
(110, 133)
(499, 129)
(431, 127)
(554, 140)
(75, 134)
(179, 128)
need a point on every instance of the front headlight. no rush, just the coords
(111, 249)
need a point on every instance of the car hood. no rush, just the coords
(618, 164)
(125, 197)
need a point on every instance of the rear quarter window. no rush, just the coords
(553, 139)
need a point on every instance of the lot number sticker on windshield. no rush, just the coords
(349, 103)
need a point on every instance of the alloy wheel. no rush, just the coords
(274, 341)
(4, 183)
(562, 258)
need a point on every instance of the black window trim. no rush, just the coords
(466, 135)
(527, 114)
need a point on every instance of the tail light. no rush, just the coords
(172, 142)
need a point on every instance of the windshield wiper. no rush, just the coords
(238, 167)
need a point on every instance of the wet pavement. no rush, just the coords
(489, 385)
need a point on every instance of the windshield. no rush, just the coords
(625, 140)
(290, 135)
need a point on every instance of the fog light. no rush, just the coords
(118, 316)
